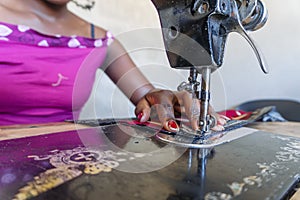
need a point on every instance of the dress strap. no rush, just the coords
(93, 31)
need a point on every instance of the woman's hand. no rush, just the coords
(166, 103)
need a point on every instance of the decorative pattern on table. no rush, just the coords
(288, 153)
(69, 164)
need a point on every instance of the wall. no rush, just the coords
(136, 25)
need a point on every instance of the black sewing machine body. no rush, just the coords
(195, 31)
(188, 34)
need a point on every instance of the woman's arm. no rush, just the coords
(124, 73)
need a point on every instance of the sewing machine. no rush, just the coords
(195, 33)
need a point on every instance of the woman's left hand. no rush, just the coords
(165, 103)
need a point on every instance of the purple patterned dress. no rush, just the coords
(46, 78)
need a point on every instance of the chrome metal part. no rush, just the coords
(234, 24)
(257, 19)
(209, 140)
(246, 8)
(205, 119)
(192, 84)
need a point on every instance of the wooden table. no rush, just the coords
(19, 131)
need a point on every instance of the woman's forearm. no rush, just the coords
(123, 72)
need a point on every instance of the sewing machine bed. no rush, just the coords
(118, 161)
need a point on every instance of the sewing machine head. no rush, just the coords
(195, 31)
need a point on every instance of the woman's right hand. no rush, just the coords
(165, 103)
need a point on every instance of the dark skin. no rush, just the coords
(52, 17)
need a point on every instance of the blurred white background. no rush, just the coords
(136, 25)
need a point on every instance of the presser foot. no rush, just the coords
(189, 138)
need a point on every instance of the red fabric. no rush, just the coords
(236, 114)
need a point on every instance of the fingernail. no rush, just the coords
(221, 122)
(140, 115)
(218, 128)
(173, 125)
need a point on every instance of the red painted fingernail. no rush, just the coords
(173, 125)
(140, 115)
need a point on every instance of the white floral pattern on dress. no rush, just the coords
(23, 28)
(109, 38)
(109, 41)
(109, 34)
(4, 39)
(73, 43)
(5, 31)
(23, 33)
(43, 43)
(98, 43)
